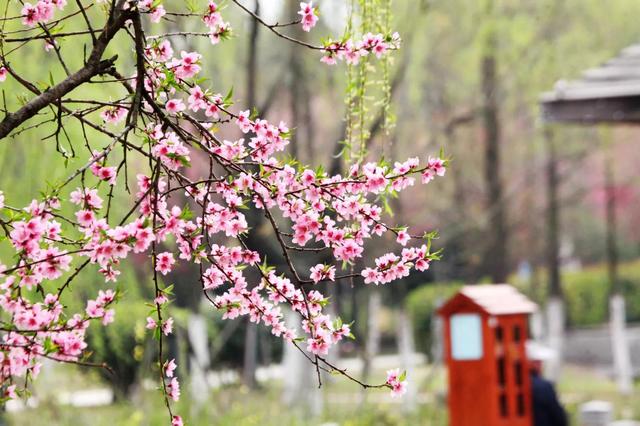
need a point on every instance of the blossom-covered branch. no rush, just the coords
(168, 119)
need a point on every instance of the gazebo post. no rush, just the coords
(617, 312)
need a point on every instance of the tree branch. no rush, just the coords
(94, 66)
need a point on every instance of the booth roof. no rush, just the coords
(497, 299)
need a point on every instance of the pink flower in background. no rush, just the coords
(176, 421)
(3, 73)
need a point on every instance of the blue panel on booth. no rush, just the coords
(466, 337)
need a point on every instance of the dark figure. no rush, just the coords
(547, 410)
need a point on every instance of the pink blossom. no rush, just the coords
(169, 367)
(334, 214)
(30, 15)
(321, 272)
(3, 73)
(167, 327)
(10, 392)
(85, 218)
(399, 388)
(164, 262)
(108, 316)
(176, 421)
(88, 198)
(308, 14)
(422, 264)
(243, 121)
(113, 114)
(173, 389)
(160, 52)
(437, 165)
(396, 382)
(160, 300)
(151, 323)
(49, 45)
(107, 174)
(188, 66)
(157, 13)
(403, 238)
(175, 106)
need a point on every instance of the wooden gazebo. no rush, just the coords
(609, 93)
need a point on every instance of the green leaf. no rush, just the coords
(228, 97)
(186, 213)
(403, 376)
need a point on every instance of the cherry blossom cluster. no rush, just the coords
(41, 329)
(218, 28)
(351, 51)
(184, 214)
(391, 267)
(41, 12)
(156, 11)
(113, 114)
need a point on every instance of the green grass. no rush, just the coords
(236, 406)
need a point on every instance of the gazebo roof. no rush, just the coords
(609, 93)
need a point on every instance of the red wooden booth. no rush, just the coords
(485, 330)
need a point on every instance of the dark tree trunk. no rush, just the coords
(250, 361)
(252, 59)
(496, 257)
(250, 355)
(611, 225)
(553, 216)
(300, 98)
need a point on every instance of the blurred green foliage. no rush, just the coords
(587, 291)
(421, 304)
(123, 346)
